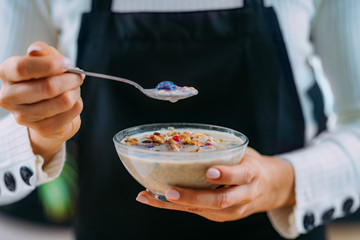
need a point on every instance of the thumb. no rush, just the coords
(230, 175)
(39, 49)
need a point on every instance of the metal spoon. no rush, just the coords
(161, 92)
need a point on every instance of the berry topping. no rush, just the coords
(176, 138)
(166, 85)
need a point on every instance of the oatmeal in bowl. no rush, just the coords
(162, 155)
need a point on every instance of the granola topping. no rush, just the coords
(131, 141)
(179, 141)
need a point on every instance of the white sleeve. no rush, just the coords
(327, 172)
(21, 23)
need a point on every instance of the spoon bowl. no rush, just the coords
(161, 93)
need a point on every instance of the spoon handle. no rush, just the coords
(105, 76)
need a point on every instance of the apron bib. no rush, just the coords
(235, 58)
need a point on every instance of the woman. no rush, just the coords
(251, 76)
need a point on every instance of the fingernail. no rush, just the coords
(142, 199)
(66, 63)
(172, 194)
(33, 49)
(213, 173)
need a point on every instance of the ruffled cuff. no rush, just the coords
(52, 169)
(283, 221)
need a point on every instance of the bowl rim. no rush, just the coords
(117, 141)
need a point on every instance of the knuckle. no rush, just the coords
(21, 66)
(21, 117)
(224, 201)
(248, 174)
(75, 126)
(49, 87)
(5, 99)
(66, 100)
(79, 106)
(47, 129)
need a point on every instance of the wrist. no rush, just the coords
(284, 178)
(290, 197)
(44, 146)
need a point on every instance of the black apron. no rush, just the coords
(235, 58)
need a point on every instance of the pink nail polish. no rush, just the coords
(66, 63)
(172, 194)
(142, 199)
(213, 173)
(33, 49)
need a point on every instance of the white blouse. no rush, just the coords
(327, 170)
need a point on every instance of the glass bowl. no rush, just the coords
(158, 171)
